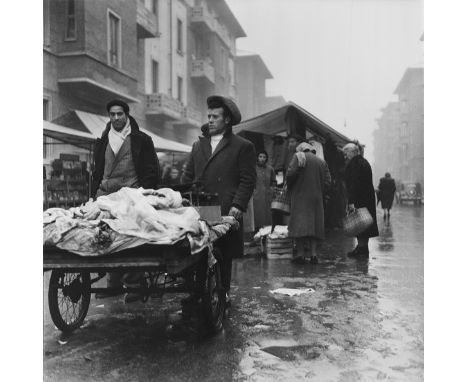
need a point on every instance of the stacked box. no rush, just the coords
(280, 248)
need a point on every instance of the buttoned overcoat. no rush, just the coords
(360, 190)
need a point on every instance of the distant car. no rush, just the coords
(410, 192)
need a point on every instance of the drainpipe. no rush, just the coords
(170, 49)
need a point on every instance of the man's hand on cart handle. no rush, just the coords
(236, 212)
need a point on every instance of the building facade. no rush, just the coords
(163, 57)
(399, 139)
(252, 74)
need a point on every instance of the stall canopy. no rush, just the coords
(83, 125)
(67, 135)
(290, 118)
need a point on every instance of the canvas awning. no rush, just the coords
(278, 122)
(68, 135)
(94, 124)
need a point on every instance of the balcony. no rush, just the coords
(87, 78)
(163, 107)
(192, 118)
(201, 20)
(147, 22)
(203, 71)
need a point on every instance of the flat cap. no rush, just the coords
(229, 104)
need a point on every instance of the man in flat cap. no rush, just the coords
(224, 163)
(124, 156)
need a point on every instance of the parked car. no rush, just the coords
(410, 192)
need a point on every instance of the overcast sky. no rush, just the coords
(339, 59)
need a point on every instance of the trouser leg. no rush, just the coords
(301, 250)
(363, 242)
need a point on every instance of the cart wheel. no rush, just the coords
(69, 296)
(214, 299)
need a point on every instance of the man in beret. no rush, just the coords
(124, 156)
(224, 163)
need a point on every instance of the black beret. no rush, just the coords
(118, 102)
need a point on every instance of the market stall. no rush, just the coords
(68, 156)
(269, 131)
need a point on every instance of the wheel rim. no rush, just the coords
(215, 297)
(70, 297)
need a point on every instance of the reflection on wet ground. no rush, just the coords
(363, 322)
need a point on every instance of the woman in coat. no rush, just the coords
(387, 190)
(361, 193)
(306, 179)
(266, 180)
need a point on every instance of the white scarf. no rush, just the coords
(215, 139)
(117, 138)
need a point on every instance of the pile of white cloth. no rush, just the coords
(125, 219)
(279, 232)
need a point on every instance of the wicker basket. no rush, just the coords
(281, 200)
(357, 221)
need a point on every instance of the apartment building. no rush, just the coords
(386, 142)
(252, 74)
(164, 57)
(89, 57)
(399, 140)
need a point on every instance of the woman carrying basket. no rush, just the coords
(360, 191)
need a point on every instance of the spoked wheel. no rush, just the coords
(69, 296)
(214, 299)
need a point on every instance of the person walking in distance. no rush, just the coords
(387, 190)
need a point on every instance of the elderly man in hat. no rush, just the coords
(124, 156)
(224, 163)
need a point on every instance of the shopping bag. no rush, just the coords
(281, 200)
(357, 221)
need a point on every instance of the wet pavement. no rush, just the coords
(363, 321)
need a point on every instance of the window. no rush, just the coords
(222, 64)
(179, 36)
(155, 77)
(45, 109)
(154, 6)
(114, 39)
(71, 21)
(180, 84)
(46, 20)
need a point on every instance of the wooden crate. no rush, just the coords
(278, 248)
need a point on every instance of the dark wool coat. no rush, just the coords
(229, 172)
(360, 190)
(144, 158)
(266, 179)
(387, 190)
(306, 186)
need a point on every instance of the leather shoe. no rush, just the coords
(314, 260)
